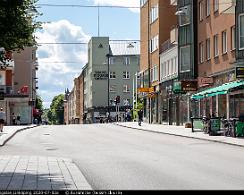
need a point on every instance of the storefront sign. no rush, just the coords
(141, 90)
(189, 85)
(240, 72)
(100, 75)
(177, 87)
(215, 125)
(204, 81)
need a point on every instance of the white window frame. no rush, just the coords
(154, 13)
(127, 60)
(111, 60)
(154, 44)
(208, 8)
(126, 102)
(201, 52)
(126, 89)
(216, 5)
(189, 68)
(112, 75)
(208, 49)
(126, 75)
(201, 6)
(233, 37)
(112, 88)
(224, 42)
(241, 48)
(216, 45)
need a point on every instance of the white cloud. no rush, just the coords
(59, 63)
(125, 3)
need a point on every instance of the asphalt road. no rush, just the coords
(113, 157)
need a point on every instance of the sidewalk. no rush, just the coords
(40, 173)
(10, 131)
(182, 131)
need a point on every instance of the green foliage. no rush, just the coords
(56, 112)
(39, 103)
(17, 24)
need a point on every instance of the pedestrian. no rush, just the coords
(140, 115)
(18, 119)
(2, 119)
(13, 119)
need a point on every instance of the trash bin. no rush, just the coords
(239, 129)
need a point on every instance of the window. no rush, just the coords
(126, 102)
(208, 8)
(154, 74)
(201, 11)
(208, 49)
(126, 88)
(126, 75)
(111, 60)
(143, 2)
(233, 38)
(127, 60)
(154, 13)
(201, 53)
(216, 5)
(224, 42)
(185, 57)
(154, 44)
(241, 32)
(112, 75)
(112, 88)
(216, 45)
(185, 19)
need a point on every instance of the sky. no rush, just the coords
(59, 64)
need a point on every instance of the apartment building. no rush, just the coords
(157, 20)
(220, 80)
(19, 85)
(109, 73)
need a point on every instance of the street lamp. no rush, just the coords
(108, 56)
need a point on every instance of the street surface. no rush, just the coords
(113, 157)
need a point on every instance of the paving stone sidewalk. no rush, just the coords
(182, 131)
(40, 173)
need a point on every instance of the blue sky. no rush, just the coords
(60, 64)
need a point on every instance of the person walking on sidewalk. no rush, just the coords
(140, 115)
(2, 119)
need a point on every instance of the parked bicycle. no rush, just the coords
(229, 127)
(206, 124)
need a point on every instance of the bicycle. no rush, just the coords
(206, 125)
(229, 127)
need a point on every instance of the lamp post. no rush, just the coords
(108, 56)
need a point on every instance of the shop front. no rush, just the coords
(224, 101)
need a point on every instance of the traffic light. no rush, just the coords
(117, 99)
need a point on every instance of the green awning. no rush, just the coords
(220, 90)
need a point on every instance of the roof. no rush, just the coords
(125, 47)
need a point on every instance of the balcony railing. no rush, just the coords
(166, 46)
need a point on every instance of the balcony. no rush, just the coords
(166, 46)
(227, 6)
(173, 2)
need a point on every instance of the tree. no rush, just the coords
(17, 25)
(39, 103)
(56, 112)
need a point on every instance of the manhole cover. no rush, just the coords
(51, 148)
